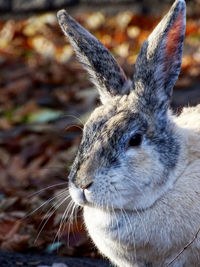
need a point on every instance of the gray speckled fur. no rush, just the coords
(155, 72)
(139, 209)
(104, 71)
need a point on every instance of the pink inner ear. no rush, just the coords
(173, 37)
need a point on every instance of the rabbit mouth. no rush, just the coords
(85, 197)
(80, 196)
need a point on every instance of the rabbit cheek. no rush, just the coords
(145, 178)
(141, 166)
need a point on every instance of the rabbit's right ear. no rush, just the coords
(104, 71)
(158, 64)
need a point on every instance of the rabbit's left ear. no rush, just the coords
(158, 64)
(104, 70)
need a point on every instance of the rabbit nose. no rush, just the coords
(86, 186)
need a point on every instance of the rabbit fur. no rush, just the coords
(141, 204)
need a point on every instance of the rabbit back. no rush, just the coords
(190, 118)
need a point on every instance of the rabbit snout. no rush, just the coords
(80, 195)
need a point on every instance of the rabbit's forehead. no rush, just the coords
(104, 139)
(107, 118)
(119, 109)
(113, 126)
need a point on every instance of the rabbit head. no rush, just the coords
(130, 147)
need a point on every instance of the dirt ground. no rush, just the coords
(9, 259)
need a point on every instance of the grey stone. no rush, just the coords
(30, 5)
(59, 265)
(9, 259)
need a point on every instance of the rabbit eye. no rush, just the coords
(135, 140)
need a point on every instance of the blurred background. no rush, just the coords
(45, 98)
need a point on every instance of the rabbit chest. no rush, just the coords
(111, 234)
(122, 236)
(139, 240)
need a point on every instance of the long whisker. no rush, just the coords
(49, 214)
(132, 231)
(116, 192)
(43, 204)
(58, 234)
(71, 218)
(42, 190)
(73, 116)
(76, 215)
(138, 213)
(114, 213)
(70, 221)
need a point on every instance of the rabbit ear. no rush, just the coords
(105, 72)
(158, 64)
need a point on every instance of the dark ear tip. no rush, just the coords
(62, 14)
(180, 3)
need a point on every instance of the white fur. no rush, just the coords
(159, 232)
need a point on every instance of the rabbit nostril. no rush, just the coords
(87, 186)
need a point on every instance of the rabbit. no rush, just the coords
(137, 170)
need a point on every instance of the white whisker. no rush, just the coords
(51, 186)
(58, 234)
(42, 205)
(49, 214)
(73, 116)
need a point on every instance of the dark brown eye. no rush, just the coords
(135, 140)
